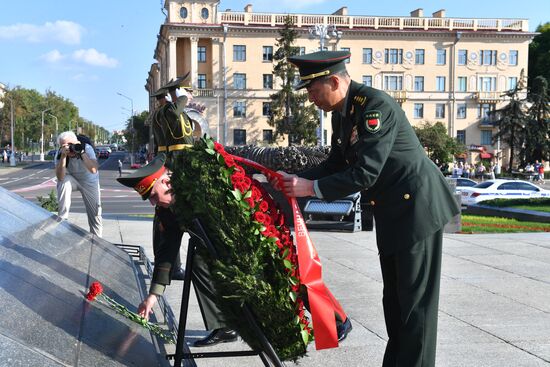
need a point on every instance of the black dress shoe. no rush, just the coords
(223, 335)
(344, 329)
(178, 274)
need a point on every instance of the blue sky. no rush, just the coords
(89, 51)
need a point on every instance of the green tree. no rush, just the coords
(510, 121)
(137, 133)
(537, 130)
(539, 54)
(438, 144)
(290, 111)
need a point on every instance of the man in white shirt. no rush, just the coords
(76, 168)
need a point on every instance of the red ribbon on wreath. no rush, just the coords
(322, 303)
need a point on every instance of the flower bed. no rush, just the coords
(248, 230)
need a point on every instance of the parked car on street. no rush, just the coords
(103, 153)
(501, 189)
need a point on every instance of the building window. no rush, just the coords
(461, 87)
(512, 82)
(268, 81)
(440, 110)
(239, 81)
(201, 53)
(367, 56)
(393, 82)
(486, 137)
(301, 51)
(418, 110)
(487, 84)
(239, 53)
(462, 57)
(440, 83)
(419, 84)
(461, 111)
(513, 59)
(441, 56)
(204, 13)
(484, 110)
(367, 80)
(348, 50)
(239, 109)
(239, 137)
(461, 136)
(266, 109)
(267, 136)
(419, 56)
(393, 55)
(488, 57)
(201, 81)
(267, 53)
(183, 12)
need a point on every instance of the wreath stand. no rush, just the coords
(267, 353)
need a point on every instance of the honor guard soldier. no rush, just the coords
(159, 133)
(152, 182)
(178, 126)
(375, 151)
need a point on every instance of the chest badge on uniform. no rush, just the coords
(372, 121)
(354, 136)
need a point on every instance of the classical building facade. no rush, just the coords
(439, 68)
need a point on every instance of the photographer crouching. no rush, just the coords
(76, 168)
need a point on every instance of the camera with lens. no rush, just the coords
(76, 148)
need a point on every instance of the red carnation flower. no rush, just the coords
(95, 290)
(259, 217)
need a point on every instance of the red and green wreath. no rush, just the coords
(258, 262)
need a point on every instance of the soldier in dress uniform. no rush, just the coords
(375, 151)
(158, 128)
(178, 126)
(152, 182)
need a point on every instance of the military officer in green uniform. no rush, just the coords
(375, 151)
(152, 182)
(177, 126)
(158, 128)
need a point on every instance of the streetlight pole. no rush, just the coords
(42, 136)
(56, 128)
(12, 155)
(324, 32)
(132, 120)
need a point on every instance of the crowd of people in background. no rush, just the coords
(480, 171)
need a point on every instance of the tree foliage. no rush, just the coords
(437, 143)
(537, 130)
(539, 54)
(290, 111)
(28, 105)
(137, 134)
(511, 121)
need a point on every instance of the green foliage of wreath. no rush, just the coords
(258, 263)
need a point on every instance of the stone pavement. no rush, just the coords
(494, 307)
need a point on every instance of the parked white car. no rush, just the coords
(501, 189)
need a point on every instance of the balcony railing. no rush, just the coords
(488, 97)
(203, 93)
(399, 95)
(349, 21)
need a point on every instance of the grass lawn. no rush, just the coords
(482, 224)
(538, 208)
(538, 204)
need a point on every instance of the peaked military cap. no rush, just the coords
(318, 64)
(177, 83)
(144, 178)
(159, 94)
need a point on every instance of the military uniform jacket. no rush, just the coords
(179, 128)
(159, 130)
(374, 148)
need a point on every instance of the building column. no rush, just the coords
(194, 60)
(172, 58)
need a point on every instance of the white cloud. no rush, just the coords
(93, 57)
(53, 56)
(63, 31)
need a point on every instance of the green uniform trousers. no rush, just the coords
(411, 298)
